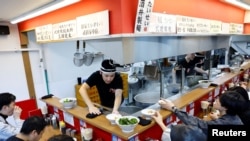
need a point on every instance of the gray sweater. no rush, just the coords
(7, 130)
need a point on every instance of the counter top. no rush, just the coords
(180, 100)
(99, 122)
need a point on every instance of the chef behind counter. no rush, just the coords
(193, 69)
(109, 85)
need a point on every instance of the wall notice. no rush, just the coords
(144, 10)
(44, 33)
(95, 24)
(64, 30)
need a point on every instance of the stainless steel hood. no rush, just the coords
(241, 43)
(131, 49)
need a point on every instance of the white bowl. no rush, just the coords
(113, 117)
(68, 102)
(148, 113)
(125, 126)
(205, 83)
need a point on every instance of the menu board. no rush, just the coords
(202, 26)
(44, 33)
(144, 10)
(235, 28)
(215, 26)
(162, 23)
(64, 30)
(225, 28)
(191, 25)
(185, 25)
(93, 24)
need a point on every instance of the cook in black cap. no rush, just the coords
(109, 85)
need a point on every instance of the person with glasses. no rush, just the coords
(32, 130)
(229, 105)
(109, 85)
(244, 116)
(8, 108)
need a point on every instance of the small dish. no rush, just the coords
(148, 113)
(205, 83)
(113, 117)
(68, 102)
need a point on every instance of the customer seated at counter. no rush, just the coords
(8, 108)
(229, 104)
(179, 132)
(244, 116)
(32, 130)
(109, 85)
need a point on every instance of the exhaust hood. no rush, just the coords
(241, 43)
(131, 49)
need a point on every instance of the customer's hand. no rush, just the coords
(243, 85)
(166, 104)
(17, 112)
(214, 115)
(157, 117)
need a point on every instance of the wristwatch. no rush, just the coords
(173, 109)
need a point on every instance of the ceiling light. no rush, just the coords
(239, 4)
(43, 10)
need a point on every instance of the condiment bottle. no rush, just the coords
(54, 122)
(62, 127)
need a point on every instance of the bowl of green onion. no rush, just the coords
(127, 123)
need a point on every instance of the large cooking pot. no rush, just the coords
(146, 99)
(192, 80)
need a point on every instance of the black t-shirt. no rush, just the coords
(14, 138)
(189, 67)
(106, 93)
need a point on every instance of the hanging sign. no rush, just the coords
(225, 28)
(95, 24)
(44, 33)
(215, 27)
(144, 10)
(235, 28)
(185, 25)
(64, 30)
(191, 25)
(202, 26)
(162, 23)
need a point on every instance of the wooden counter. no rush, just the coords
(141, 132)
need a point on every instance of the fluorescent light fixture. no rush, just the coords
(239, 4)
(57, 4)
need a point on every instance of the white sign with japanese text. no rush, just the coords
(235, 28)
(215, 27)
(64, 30)
(162, 23)
(95, 24)
(44, 33)
(186, 25)
(144, 9)
(192, 25)
(225, 28)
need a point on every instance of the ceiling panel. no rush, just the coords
(245, 1)
(13, 8)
